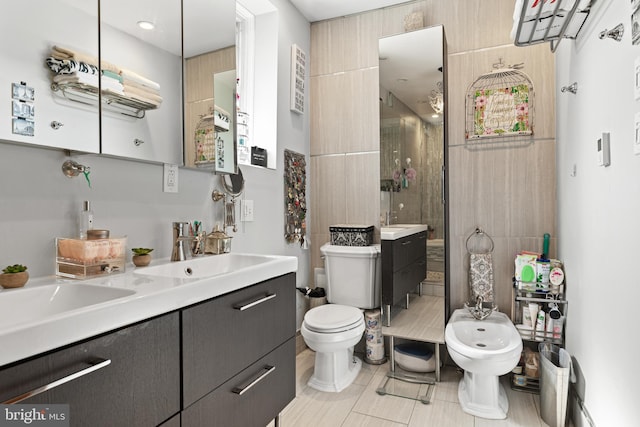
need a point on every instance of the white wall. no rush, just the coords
(598, 212)
(38, 203)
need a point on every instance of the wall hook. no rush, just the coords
(616, 33)
(573, 88)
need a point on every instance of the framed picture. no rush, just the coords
(22, 92)
(298, 73)
(23, 127)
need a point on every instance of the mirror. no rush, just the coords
(141, 82)
(233, 184)
(412, 139)
(210, 85)
(33, 113)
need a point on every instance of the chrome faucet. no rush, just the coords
(180, 240)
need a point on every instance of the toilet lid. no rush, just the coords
(333, 318)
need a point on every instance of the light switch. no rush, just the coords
(604, 152)
(246, 210)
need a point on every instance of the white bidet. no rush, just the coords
(485, 349)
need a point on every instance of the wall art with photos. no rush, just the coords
(295, 184)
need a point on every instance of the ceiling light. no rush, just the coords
(146, 25)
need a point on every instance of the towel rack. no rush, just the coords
(553, 25)
(479, 235)
(89, 95)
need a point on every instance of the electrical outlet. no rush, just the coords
(170, 178)
(246, 210)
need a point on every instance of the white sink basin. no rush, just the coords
(397, 231)
(19, 306)
(204, 267)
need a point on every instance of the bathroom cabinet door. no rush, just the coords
(139, 387)
(149, 63)
(223, 336)
(403, 266)
(31, 111)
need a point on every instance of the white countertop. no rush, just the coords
(153, 296)
(397, 231)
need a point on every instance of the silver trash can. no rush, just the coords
(555, 366)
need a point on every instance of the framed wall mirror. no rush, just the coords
(413, 140)
(41, 56)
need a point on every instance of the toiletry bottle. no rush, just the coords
(86, 219)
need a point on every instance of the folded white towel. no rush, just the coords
(134, 91)
(131, 75)
(90, 80)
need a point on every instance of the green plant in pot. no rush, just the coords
(14, 276)
(141, 256)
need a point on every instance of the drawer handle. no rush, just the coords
(408, 242)
(261, 375)
(95, 365)
(247, 306)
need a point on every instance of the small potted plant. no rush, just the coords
(141, 256)
(14, 276)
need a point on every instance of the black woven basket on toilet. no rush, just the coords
(351, 235)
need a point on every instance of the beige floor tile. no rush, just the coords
(304, 369)
(360, 420)
(447, 388)
(440, 413)
(368, 371)
(388, 407)
(314, 408)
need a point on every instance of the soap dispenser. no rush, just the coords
(86, 219)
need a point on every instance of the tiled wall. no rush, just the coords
(507, 189)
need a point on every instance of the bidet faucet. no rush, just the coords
(180, 240)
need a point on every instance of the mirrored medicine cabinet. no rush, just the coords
(108, 86)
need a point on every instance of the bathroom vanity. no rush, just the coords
(218, 349)
(404, 259)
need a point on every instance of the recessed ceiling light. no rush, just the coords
(146, 25)
(434, 116)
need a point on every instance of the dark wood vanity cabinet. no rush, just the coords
(228, 361)
(404, 265)
(239, 355)
(139, 387)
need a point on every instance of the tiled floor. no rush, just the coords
(360, 405)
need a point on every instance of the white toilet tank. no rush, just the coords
(353, 275)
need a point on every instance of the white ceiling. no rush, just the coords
(318, 10)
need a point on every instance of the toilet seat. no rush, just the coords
(333, 318)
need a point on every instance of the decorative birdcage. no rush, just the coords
(500, 104)
(204, 140)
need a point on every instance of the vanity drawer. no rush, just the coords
(406, 280)
(252, 397)
(129, 377)
(223, 336)
(407, 249)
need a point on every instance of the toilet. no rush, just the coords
(485, 349)
(332, 330)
